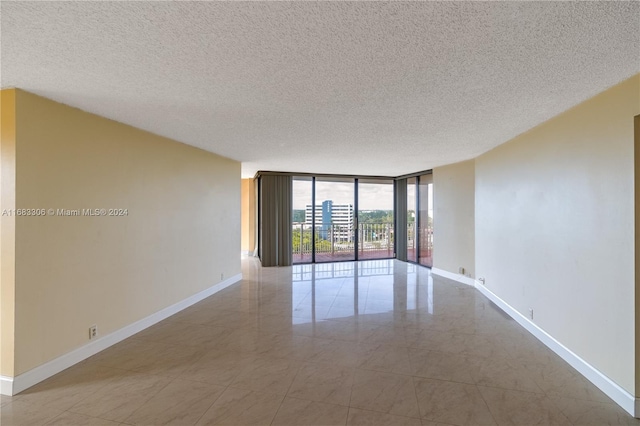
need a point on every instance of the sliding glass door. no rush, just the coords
(412, 231)
(339, 219)
(425, 220)
(335, 219)
(375, 219)
(420, 219)
(301, 233)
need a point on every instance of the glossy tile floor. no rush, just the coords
(373, 342)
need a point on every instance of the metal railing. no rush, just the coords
(337, 238)
(425, 235)
(333, 238)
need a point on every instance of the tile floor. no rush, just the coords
(367, 343)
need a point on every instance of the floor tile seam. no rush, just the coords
(386, 412)
(381, 412)
(32, 405)
(415, 377)
(196, 361)
(90, 362)
(308, 400)
(292, 381)
(462, 354)
(153, 340)
(545, 396)
(415, 392)
(348, 414)
(297, 363)
(233, 385)
(555, 404)
(273, 419)
(541, 393)
(389, 413)
(47, 420)
(85, 395)
(208, 324)
(212, 403)
(97, 417)
(223, 385)
(8, 402)
(385, 372)
(325, 363)
(486, 404)
(353, 382)
(248, 326)
(553, 396)
(513, 390)
(174, 345)
(143, 402)
(207, 346)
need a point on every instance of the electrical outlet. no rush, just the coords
(531, 313)
(221, 276)
(481, 279)
(461, 270)
(93, 332)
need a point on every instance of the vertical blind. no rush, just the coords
(275, 223)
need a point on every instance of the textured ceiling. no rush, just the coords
(382, 88)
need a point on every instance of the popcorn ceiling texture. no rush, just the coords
(382, 88)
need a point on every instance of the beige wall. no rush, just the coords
(248, 215)
(7, 229)
(453, 217)
(180, 236)
(554, 220)
(636, 145)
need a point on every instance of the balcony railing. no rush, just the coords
(375, 240)
(425, 235)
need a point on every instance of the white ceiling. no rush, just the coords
(383, 88)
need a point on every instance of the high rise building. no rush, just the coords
(332, 220)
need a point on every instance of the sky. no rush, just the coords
(372, 196)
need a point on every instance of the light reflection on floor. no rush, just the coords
(340, 290)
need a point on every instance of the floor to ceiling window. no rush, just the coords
(412, 242)
(375, 219)
(338, 218)
(425, 220)
(301, 235)
(335, 219)
(419, 199)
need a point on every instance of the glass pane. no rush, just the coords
(411, 220)
(425, 212)
(301, 220)
(334, 219)
(375, 219)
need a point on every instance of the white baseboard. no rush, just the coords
(623, 398)
(15, 385)
(456, 277)
(6, 385)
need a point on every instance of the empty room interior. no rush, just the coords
(320, 213)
